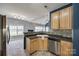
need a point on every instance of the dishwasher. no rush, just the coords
(53, 45)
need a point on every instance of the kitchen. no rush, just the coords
(52, 33)
(59, 42)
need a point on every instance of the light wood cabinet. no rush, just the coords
(66, 18)
(37, 44)
(66, 48)
(62, 19)
(40, 42)
(71, 17)
(33, 45)
(45, 44)
(55, 20)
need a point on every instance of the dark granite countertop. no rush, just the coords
(32, 37)
(59, 37)
(51, 36)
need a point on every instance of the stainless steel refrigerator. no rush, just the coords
(2, 35)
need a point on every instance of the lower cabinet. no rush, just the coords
(43, 44)
(40, 44)
(33, 45)
(66, 48)
(37, 44)
(62, 47)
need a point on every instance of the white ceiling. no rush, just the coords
(33, 12)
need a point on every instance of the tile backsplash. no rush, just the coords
(66, 32)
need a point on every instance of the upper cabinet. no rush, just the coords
(55, 20)
(66, 18)
(62, 19)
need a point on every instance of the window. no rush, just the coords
(47, 29)
(20, 30)
(37, 29)
(13, 30)
(16, 30)
(41, 28)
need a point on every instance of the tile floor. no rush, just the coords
(43, 53)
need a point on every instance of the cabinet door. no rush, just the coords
(31, 46)
(41, 43)
(45, 44)
(66, 18)
(66, 48)
(55, 20)
(35, 45)
(71, 17)
(62, 19)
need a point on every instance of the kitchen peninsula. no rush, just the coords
(35, 42)
(56, 44)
